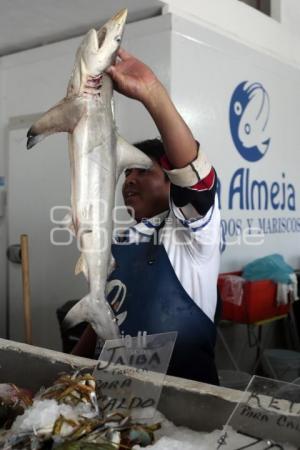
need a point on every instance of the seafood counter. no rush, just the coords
(66, 416)
(48, 400)
(51, 401)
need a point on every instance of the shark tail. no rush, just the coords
(78, 314)
(101, 319)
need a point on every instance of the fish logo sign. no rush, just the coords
(249, 116)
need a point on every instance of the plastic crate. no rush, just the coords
(258, 302)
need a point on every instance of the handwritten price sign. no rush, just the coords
(131, 371)
(268, 417)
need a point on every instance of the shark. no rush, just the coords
(98, 155)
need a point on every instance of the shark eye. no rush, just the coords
(247, 128)
(238, 108)
(118, 38)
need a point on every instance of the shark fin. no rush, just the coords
(63, 117)
(102, 319)
(129, 156)
(79, 313)
(81, 266)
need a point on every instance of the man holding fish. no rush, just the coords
(169, 279)
(168, 282)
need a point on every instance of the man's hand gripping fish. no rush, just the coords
(97, 157)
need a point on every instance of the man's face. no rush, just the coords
(146, 191)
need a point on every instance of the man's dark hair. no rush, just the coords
(152, 148)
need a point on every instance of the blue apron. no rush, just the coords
(156, 302)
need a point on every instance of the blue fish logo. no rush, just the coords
(249, 116)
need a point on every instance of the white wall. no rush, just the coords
(243, 24)
(214, 66)
(31, 82)
(276, 9)
(2, 219)
(290, 16)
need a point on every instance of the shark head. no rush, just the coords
(109, 40)
(95, 54)
(98, 49)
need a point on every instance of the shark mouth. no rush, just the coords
(94, 83)
(101, 36)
